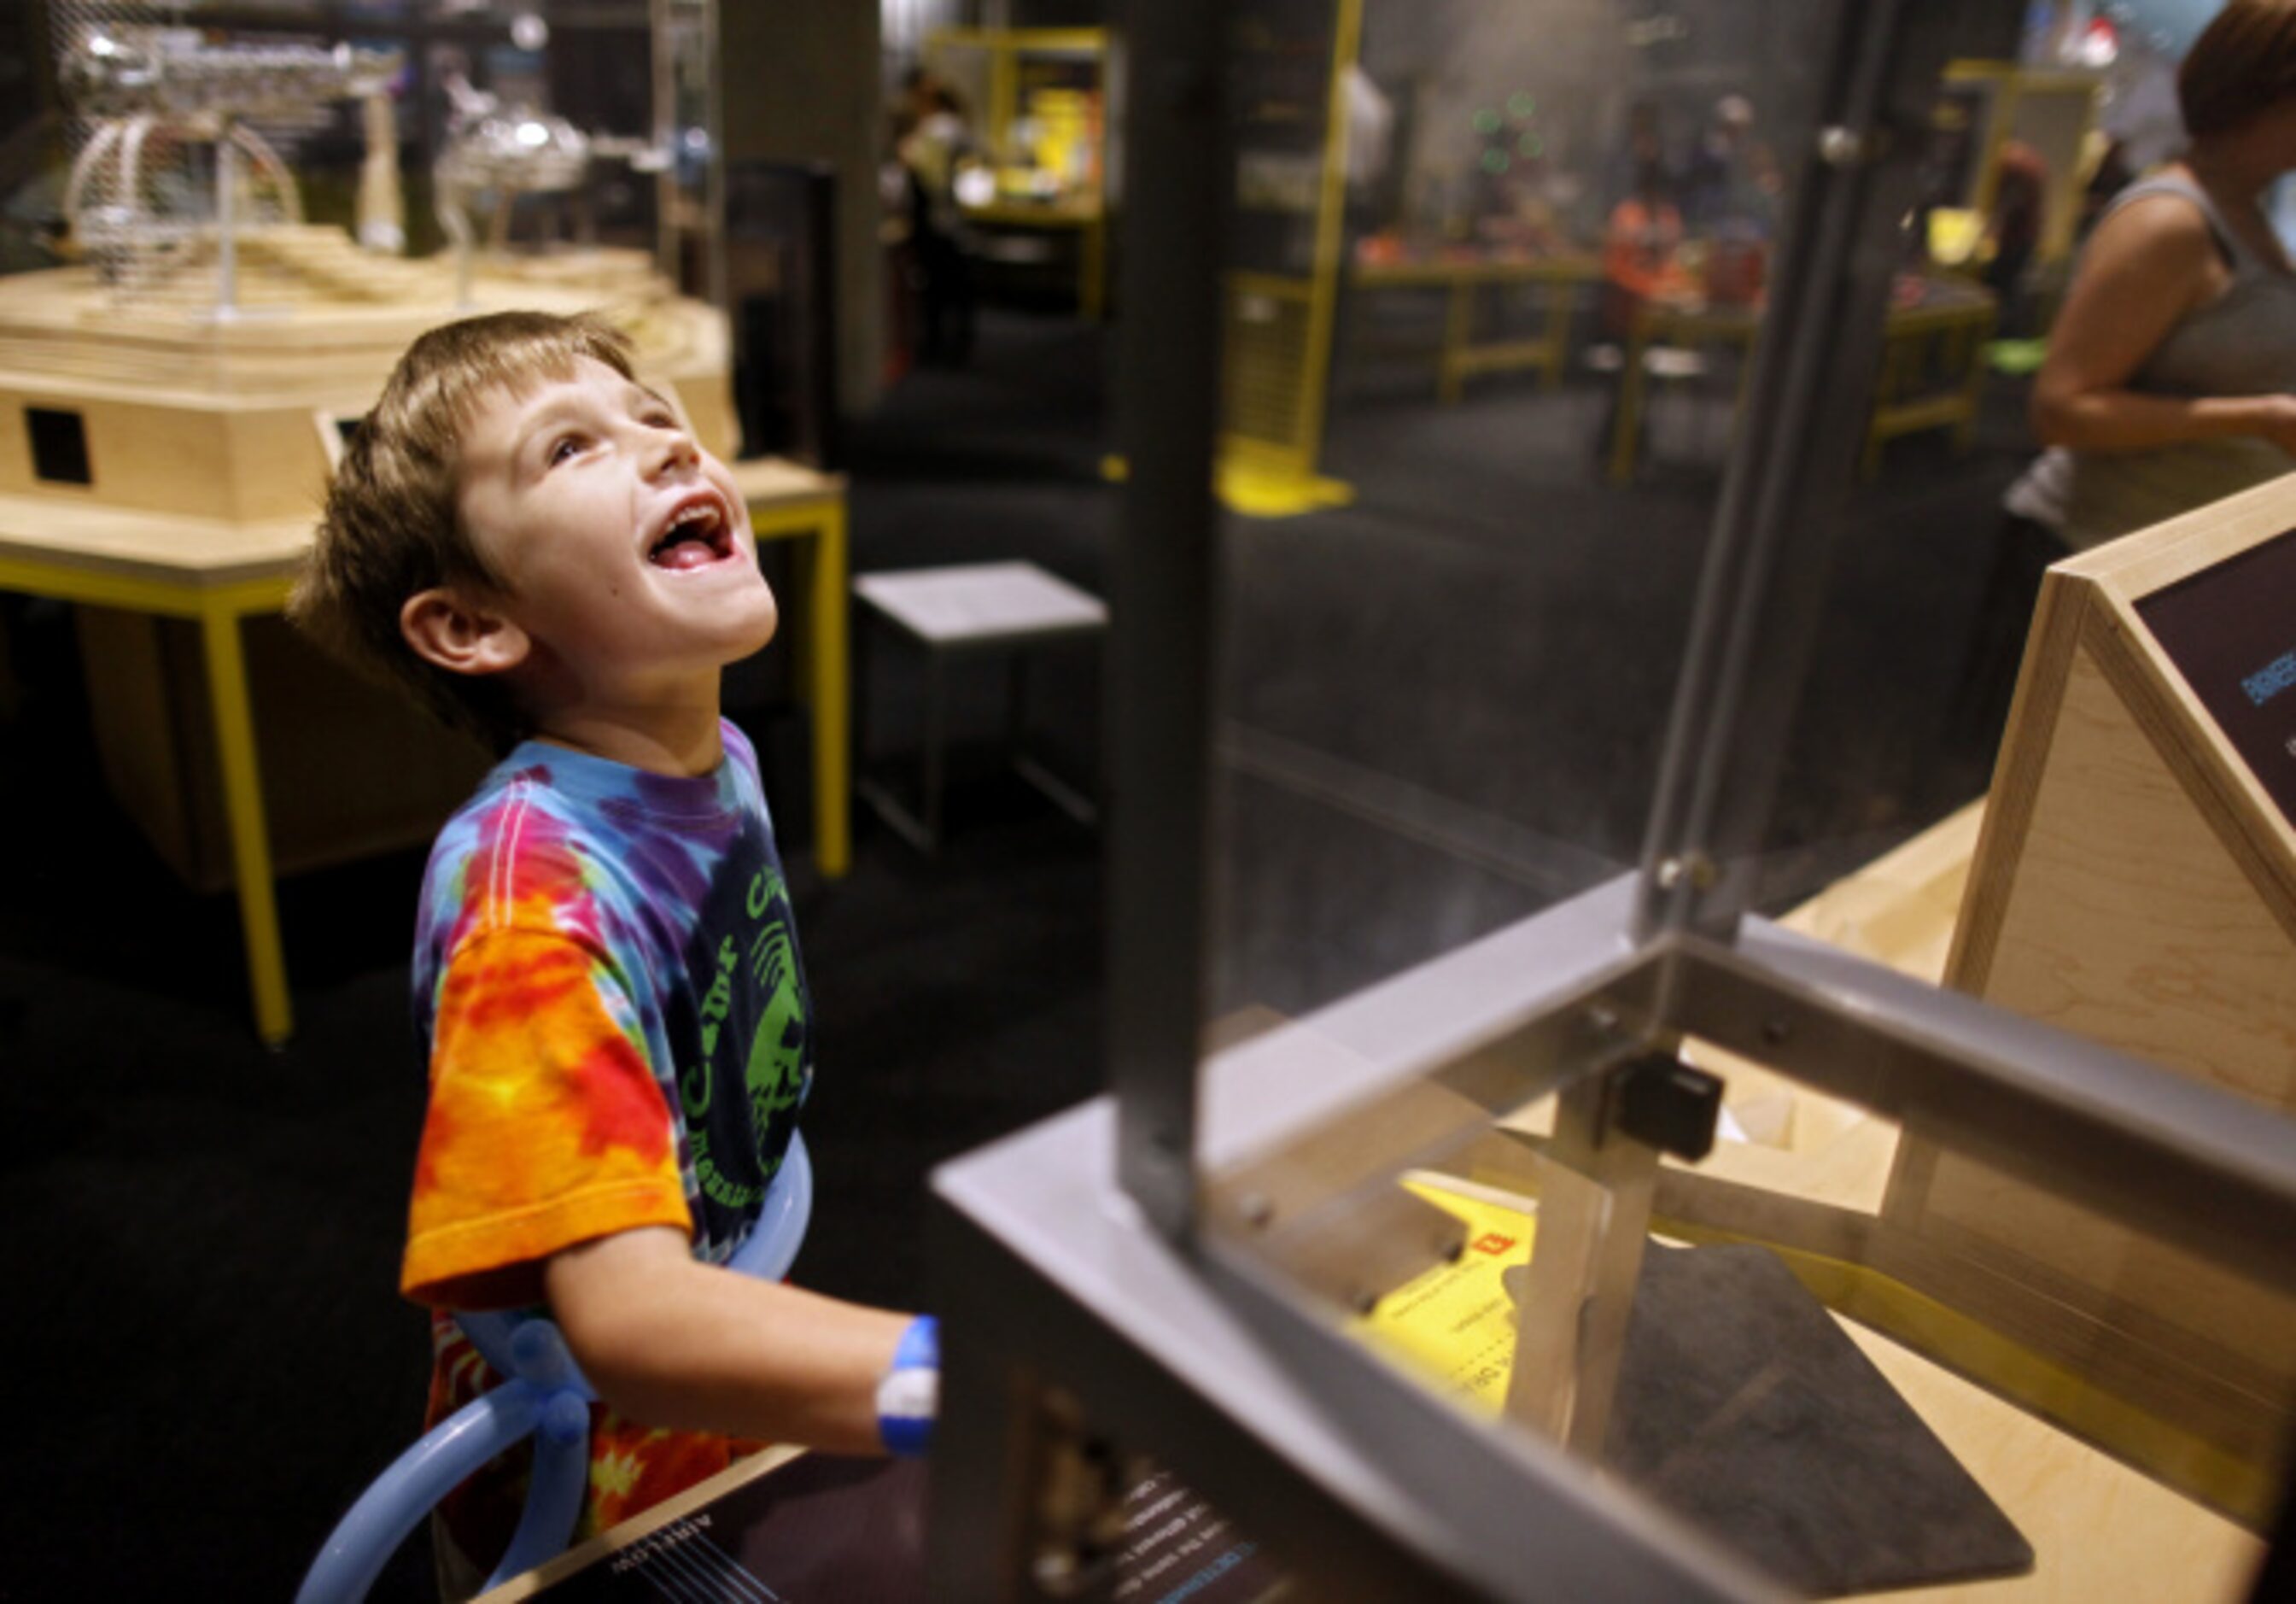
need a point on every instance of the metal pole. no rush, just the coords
(1161, 635)
(662, 18)
(1762, 595)
(226, 224)
(713, 118)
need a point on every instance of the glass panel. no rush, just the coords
(553, 107)
(1862, 1358)
(1497, 279)
(1030, 184)
(1496, 283)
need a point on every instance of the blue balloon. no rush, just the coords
(770, 1248)
(553, 1499)
(387, 1511)
(547, 1397)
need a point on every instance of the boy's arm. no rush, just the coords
(673, 1342)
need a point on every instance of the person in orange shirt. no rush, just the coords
(1641, 243)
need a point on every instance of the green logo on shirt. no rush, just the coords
(773, 1074)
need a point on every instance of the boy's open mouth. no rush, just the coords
(697, 535)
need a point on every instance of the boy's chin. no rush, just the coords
(754, 641)
(741, 625)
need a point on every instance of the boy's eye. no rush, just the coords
(564, 447)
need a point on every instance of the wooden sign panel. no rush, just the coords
(2135, 884)
(2231, 633)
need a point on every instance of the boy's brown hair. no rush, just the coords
(390, 529)
(2243, 62)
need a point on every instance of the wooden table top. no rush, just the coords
(167, 548)
(196, 553)
(1069, 211)
(1569, 267)
(776, 481)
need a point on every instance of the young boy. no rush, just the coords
(606, 976)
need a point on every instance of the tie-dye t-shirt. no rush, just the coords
(607, 980)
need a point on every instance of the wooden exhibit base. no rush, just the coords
(162, 463)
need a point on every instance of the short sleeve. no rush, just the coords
(546, 1126)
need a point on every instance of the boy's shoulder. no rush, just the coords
(516, 846)
(547, 831)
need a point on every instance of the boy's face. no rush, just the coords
(624, 547)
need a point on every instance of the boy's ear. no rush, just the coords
(460, 634)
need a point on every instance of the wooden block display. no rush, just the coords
(2135, 884)
(195, 456)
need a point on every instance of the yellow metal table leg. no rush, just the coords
(831, 672)
(1559, 307)
(1092, 268)
(1626, 421)
(1978, 334)
(250, 843)
(1458, 324)
(1894, 349)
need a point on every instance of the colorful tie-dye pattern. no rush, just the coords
(607, 980)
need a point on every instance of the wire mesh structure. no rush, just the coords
(178, 180)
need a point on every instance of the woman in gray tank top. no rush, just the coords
(2171, 373)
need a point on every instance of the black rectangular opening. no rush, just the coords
(59, 444)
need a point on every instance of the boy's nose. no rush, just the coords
(672, 449)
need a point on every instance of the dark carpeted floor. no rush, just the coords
(203, 1235)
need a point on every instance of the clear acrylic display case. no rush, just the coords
(1542, 1161)
(623, 94)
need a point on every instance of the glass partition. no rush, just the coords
(531, 129)
(1544, 329)
(1497, 276)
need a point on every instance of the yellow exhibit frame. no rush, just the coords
(1460, 359)
(218, 609)
(1271, 471)
(220, 605)
(1962, 328)
(2009, 84)
(826, 674)
(1086, 213)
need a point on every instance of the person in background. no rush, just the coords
(916, 102)
(1625, 170)
(934, 151)
(1641, 243)
(2109, 176)
(897, 208)
(2013, 229)
(1718, 183)
(2170, 374)
(2171, 378)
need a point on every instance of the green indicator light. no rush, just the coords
(1487, 121)
(1531, 145)
(1496, 161)
(1522, 103)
